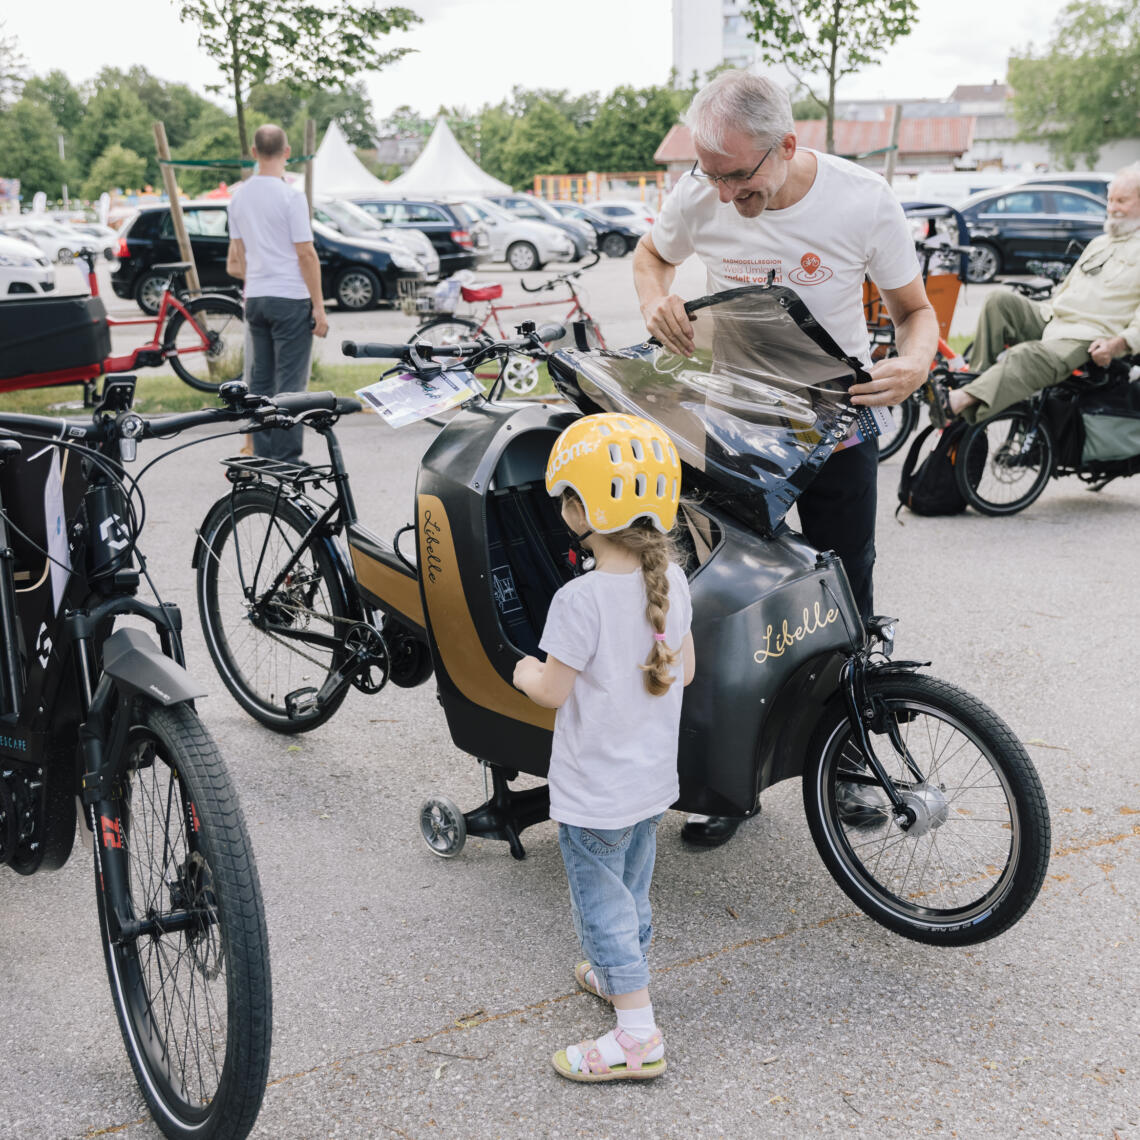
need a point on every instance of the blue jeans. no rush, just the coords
(609, 873)
(278, 346)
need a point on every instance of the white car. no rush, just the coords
(353, 221)
(634, 214)
(522, 244)
(98, 237)
(23, 269)
(57, 241)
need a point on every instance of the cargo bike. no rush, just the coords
(950, 843)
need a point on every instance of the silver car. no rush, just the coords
(353, 221)
(523, 245)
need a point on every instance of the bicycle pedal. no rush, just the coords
(301, 702)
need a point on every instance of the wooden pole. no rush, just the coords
(892, 154)
(310, 148)
(170, 183)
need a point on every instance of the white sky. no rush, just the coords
(472, 52)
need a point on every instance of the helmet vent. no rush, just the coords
(660, 486)
(604, 429)
(639, 485)
(615, 452)
(658, 451)
(615, 487)
(638, 450)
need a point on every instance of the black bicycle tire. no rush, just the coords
(908, 409)
(1017, 884)
(204, 305)
(966, 466)
(220, 843)
(437, 322)
(217, 529)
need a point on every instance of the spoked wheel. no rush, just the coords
(905, 417)
(186, 950)
(443, 827)
(265, 638)
(446, 331)
(210, 350)
(1004, 462)
(974, 857)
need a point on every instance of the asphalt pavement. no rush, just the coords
(416, 997)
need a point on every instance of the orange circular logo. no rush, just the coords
(810, 263)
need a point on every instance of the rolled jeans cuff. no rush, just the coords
(623, 979)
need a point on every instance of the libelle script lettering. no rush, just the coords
(777, 643)
(433, 562)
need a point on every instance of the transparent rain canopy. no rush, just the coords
(755, 411)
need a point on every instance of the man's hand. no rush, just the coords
(892, 380)
(666, 319)
(1105, 349)
(320, 323)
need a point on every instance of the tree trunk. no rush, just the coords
(243, 138)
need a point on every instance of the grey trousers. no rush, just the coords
(278, 349)
(1029, 365)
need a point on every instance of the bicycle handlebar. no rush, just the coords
(561, 278)
(417, 354)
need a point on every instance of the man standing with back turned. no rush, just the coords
(822, 224)
(271, 248)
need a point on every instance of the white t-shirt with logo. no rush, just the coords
(849, 225)
(270, 218)
(614, 760)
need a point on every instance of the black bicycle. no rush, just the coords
(107, 716)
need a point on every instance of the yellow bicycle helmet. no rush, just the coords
(622, 467)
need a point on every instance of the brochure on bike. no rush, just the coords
(407, 398)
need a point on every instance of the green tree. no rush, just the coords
(29, 149)
(829, 38)
(1084, 89)
(542, 141)
(56, 92)
(629, 127)
(291, 41)
(349, 107)
(115, 114)
(11, 68)
(215, 138)
(116, 168)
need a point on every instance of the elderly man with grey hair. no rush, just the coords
(755, 203)
(1094, 314)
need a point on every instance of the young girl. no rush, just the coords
(617, 642)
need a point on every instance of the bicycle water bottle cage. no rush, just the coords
(481, 292)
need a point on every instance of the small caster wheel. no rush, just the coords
(443, 827)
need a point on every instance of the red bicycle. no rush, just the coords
(520, 373)
(203, 338)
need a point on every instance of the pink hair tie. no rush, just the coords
(658, 637)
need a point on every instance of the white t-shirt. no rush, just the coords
(270, 218)
(614, 761)
(848, 225)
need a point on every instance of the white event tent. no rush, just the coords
(337, 172)
(444, 169)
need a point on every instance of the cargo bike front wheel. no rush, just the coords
(973, 853)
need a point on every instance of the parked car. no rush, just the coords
(357, 274)
(58, 242)
(635, 214)
(459, 241)
(23, 268)
(522, 244)
(1091, 181)
(99, 237)
(352, 221)
(615, 237)
(532, 209)
(1010, 227)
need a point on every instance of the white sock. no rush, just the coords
(638, 1023)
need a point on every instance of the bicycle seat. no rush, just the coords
(481, 292)
(172, 266)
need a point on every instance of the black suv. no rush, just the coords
(356, 274)
(460, 240)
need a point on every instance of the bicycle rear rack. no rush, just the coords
(242, 468)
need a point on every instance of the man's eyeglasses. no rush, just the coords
(1095, 267)
(728, 179)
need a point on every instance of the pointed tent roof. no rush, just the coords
(444, 168)
(337, 171)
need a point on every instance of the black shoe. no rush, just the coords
(710, 831)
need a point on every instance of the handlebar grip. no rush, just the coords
(346, 406)
(296, 403)
(380, 351)
(538, 288)
(549, 332)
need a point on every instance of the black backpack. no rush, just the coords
(931, 488)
